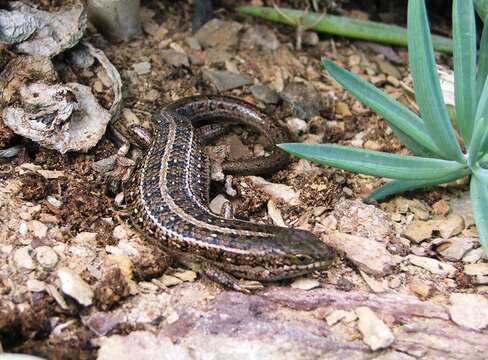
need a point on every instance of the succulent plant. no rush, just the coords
(439, 157)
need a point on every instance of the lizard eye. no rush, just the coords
(303, 258)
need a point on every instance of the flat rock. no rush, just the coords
(225, 80)
(218, 33)
(142, 68)
(73, 285)
(455, 248)
(476, 269)
(474, 255)
(461, 205)
(451, 226)
(432, 265)
(265, 94)
(469, 310)
(375, 332)
(260, 36)
(280, 192)
(419, 230)
(376, 260)
(46, 256)
(174, 58)
(23, 259)
(303, 100)
(357, 218)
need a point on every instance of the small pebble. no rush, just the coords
(54, 202)
(73, 285)
(120, 233)
(305, 284)
(38, 228)
(375, 332)
(142, 68)
(35, 285)
(46, 256)
(23, 259)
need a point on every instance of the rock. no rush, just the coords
(193, 43)
(174, 58)
(453, 225)
(387, 68)
(418, 231)
(303, 100)
(260, 36)
(441, 207)
(218, 55)
(461, 205)
(169, 280)
(275, 214)
(376, 260)
(142, 68)
(394, 355)
(432, 265)
(375, 332)
(120, 233)
(85, 237)
(54, 202)
(186, 275)
(337, 315)
(469, 310)
(265, 94)
(305, 284)
(237, 150)
(38, 228)
(454, 248)
(296, 126)
(217, 204)
(474, 255)
(46, 256)
(73, 285)
(35, 285)
(280, 192)
(357, 218)
(225, 80)
(375, 285)
(342, 109)
(23, 260)
(218, 33)
(476, 269)
(421, 288)
(310, 38)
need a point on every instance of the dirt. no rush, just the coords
(118, 264)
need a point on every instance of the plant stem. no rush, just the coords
(343, 26)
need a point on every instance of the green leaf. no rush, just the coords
(374, 163)
(481, 174)
(464, 34)
(476, 141)
(426, 83)
(479, 199)
(411, 144)
(342, 25)
(393, 112)
(398, 186)
(481, 8)
(483, 61)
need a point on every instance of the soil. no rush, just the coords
(86, 228)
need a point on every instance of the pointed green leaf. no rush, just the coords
(411, 144)
(481, 174)
(374, 163)
(393, 112)
(479, 199)
(483, 61)
(426, 82)
(476, 141)
(398, 186)
(464, 34)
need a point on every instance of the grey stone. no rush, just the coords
(225, 80)
(303, 100)
(261, 36)
(174, 58)
(219, 33)
(265, 94)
